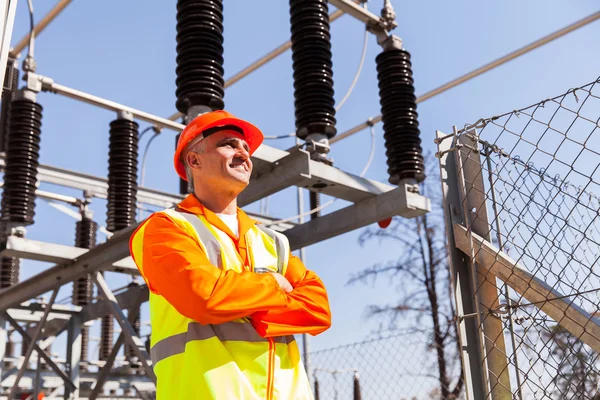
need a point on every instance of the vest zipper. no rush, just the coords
(270, 369)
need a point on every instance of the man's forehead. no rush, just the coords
(228, 134)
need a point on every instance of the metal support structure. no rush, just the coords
(97, 258)
(15, 246)
(400, 201)
(560, 308)
(471, 341)
(73, 356)
(487, 289)
(3, 340)
(105, 371)
(290, 170)
(479, 71)
(40, 351)
(374, 23)
(8, 10)
(32, 344)
(302, 256)
(126, 329)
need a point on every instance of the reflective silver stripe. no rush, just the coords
(213, 247)
(282, 246)
(228, 331)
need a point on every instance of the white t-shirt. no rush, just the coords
(232, 223)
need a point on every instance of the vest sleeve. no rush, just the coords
(308, 309)
(176, 267)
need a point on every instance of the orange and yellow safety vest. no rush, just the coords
(220, 330)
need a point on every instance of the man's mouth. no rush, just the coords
(239, 164)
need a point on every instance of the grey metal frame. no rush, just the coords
(462, 274)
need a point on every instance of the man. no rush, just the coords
(220, 328)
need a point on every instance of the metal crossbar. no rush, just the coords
(522, 198)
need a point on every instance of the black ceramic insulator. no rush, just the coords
(22, 155)
(399, 116)
(9, 351)
(85, 340)
(9, 271)
(315, 201)
(137, 325)
(122, 174)
(106, 336)
(199, 54)
(312, 64)
(85, 237)
(9, 92)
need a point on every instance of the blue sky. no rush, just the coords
(125, 51)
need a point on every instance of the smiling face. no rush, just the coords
(222, 161)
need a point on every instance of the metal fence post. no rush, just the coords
(487, 290)
(73, 356)
(471, 343)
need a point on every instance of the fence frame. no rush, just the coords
(475, 265)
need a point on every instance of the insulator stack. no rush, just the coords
(199, 54)
(106, 336)
(122, 174)
(85, 342)
(22, 155)
(9, 93)
(85, 237)
(313, 73)
(315, 201)
(9, 271)
(137, 326)
(9, 351)
(399, 116)
(147, 344)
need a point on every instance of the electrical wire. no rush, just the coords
(352, 85)
(143, 168)
(358, 71)
(144, 158)
(30, 49)
(322, 206)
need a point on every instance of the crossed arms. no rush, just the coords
(176, 268)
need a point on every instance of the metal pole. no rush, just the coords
(52, 14)
(479, 71)
(463, 289)
(3, 340)
(73, 356)
(51, 86)
(32, 344)
(486, 293)
(7, 20)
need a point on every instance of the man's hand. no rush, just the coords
(284, 284)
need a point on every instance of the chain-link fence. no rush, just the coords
(522, 193)
(399, 366)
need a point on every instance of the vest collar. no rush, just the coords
(192, 205)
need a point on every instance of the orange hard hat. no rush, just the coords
(209, 123)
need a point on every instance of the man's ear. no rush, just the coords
(193, 160)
